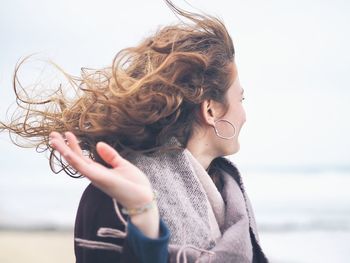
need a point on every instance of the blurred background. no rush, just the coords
(293, 61)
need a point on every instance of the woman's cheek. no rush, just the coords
(244, 117)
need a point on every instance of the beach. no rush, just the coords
(36, 246)
(57, 246)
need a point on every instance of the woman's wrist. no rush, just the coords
(145, 217)
(141, 209)
(147, 222)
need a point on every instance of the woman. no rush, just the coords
(156, 126)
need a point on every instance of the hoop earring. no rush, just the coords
(227, 138)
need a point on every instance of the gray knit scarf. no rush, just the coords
(205, 225)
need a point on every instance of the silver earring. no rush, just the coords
(227, 138)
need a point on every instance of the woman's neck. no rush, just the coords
(201, 151)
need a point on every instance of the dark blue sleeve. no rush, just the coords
(148, 249)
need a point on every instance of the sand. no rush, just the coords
(280, 247)
(36, 246)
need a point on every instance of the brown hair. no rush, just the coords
(150, 93)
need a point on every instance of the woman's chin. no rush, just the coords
(236, 150)
(232, 148)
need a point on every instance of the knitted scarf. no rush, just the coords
(205, 225)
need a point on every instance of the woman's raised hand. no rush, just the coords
(124, 181)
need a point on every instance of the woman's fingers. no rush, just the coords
(73, 143)
(122, 166)
(113, 158)
(74, 159)
(109, 154)
(94, 171)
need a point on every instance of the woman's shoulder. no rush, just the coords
(103, 236)
(96, 210)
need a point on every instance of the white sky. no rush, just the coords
(293, 59)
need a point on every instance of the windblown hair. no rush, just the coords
(150, 93)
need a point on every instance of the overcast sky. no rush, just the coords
(293, 59)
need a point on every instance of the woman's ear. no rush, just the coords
(208, 112)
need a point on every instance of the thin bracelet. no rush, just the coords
(140, 210)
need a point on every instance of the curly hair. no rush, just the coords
(150, 93)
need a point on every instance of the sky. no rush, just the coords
(292, 57)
